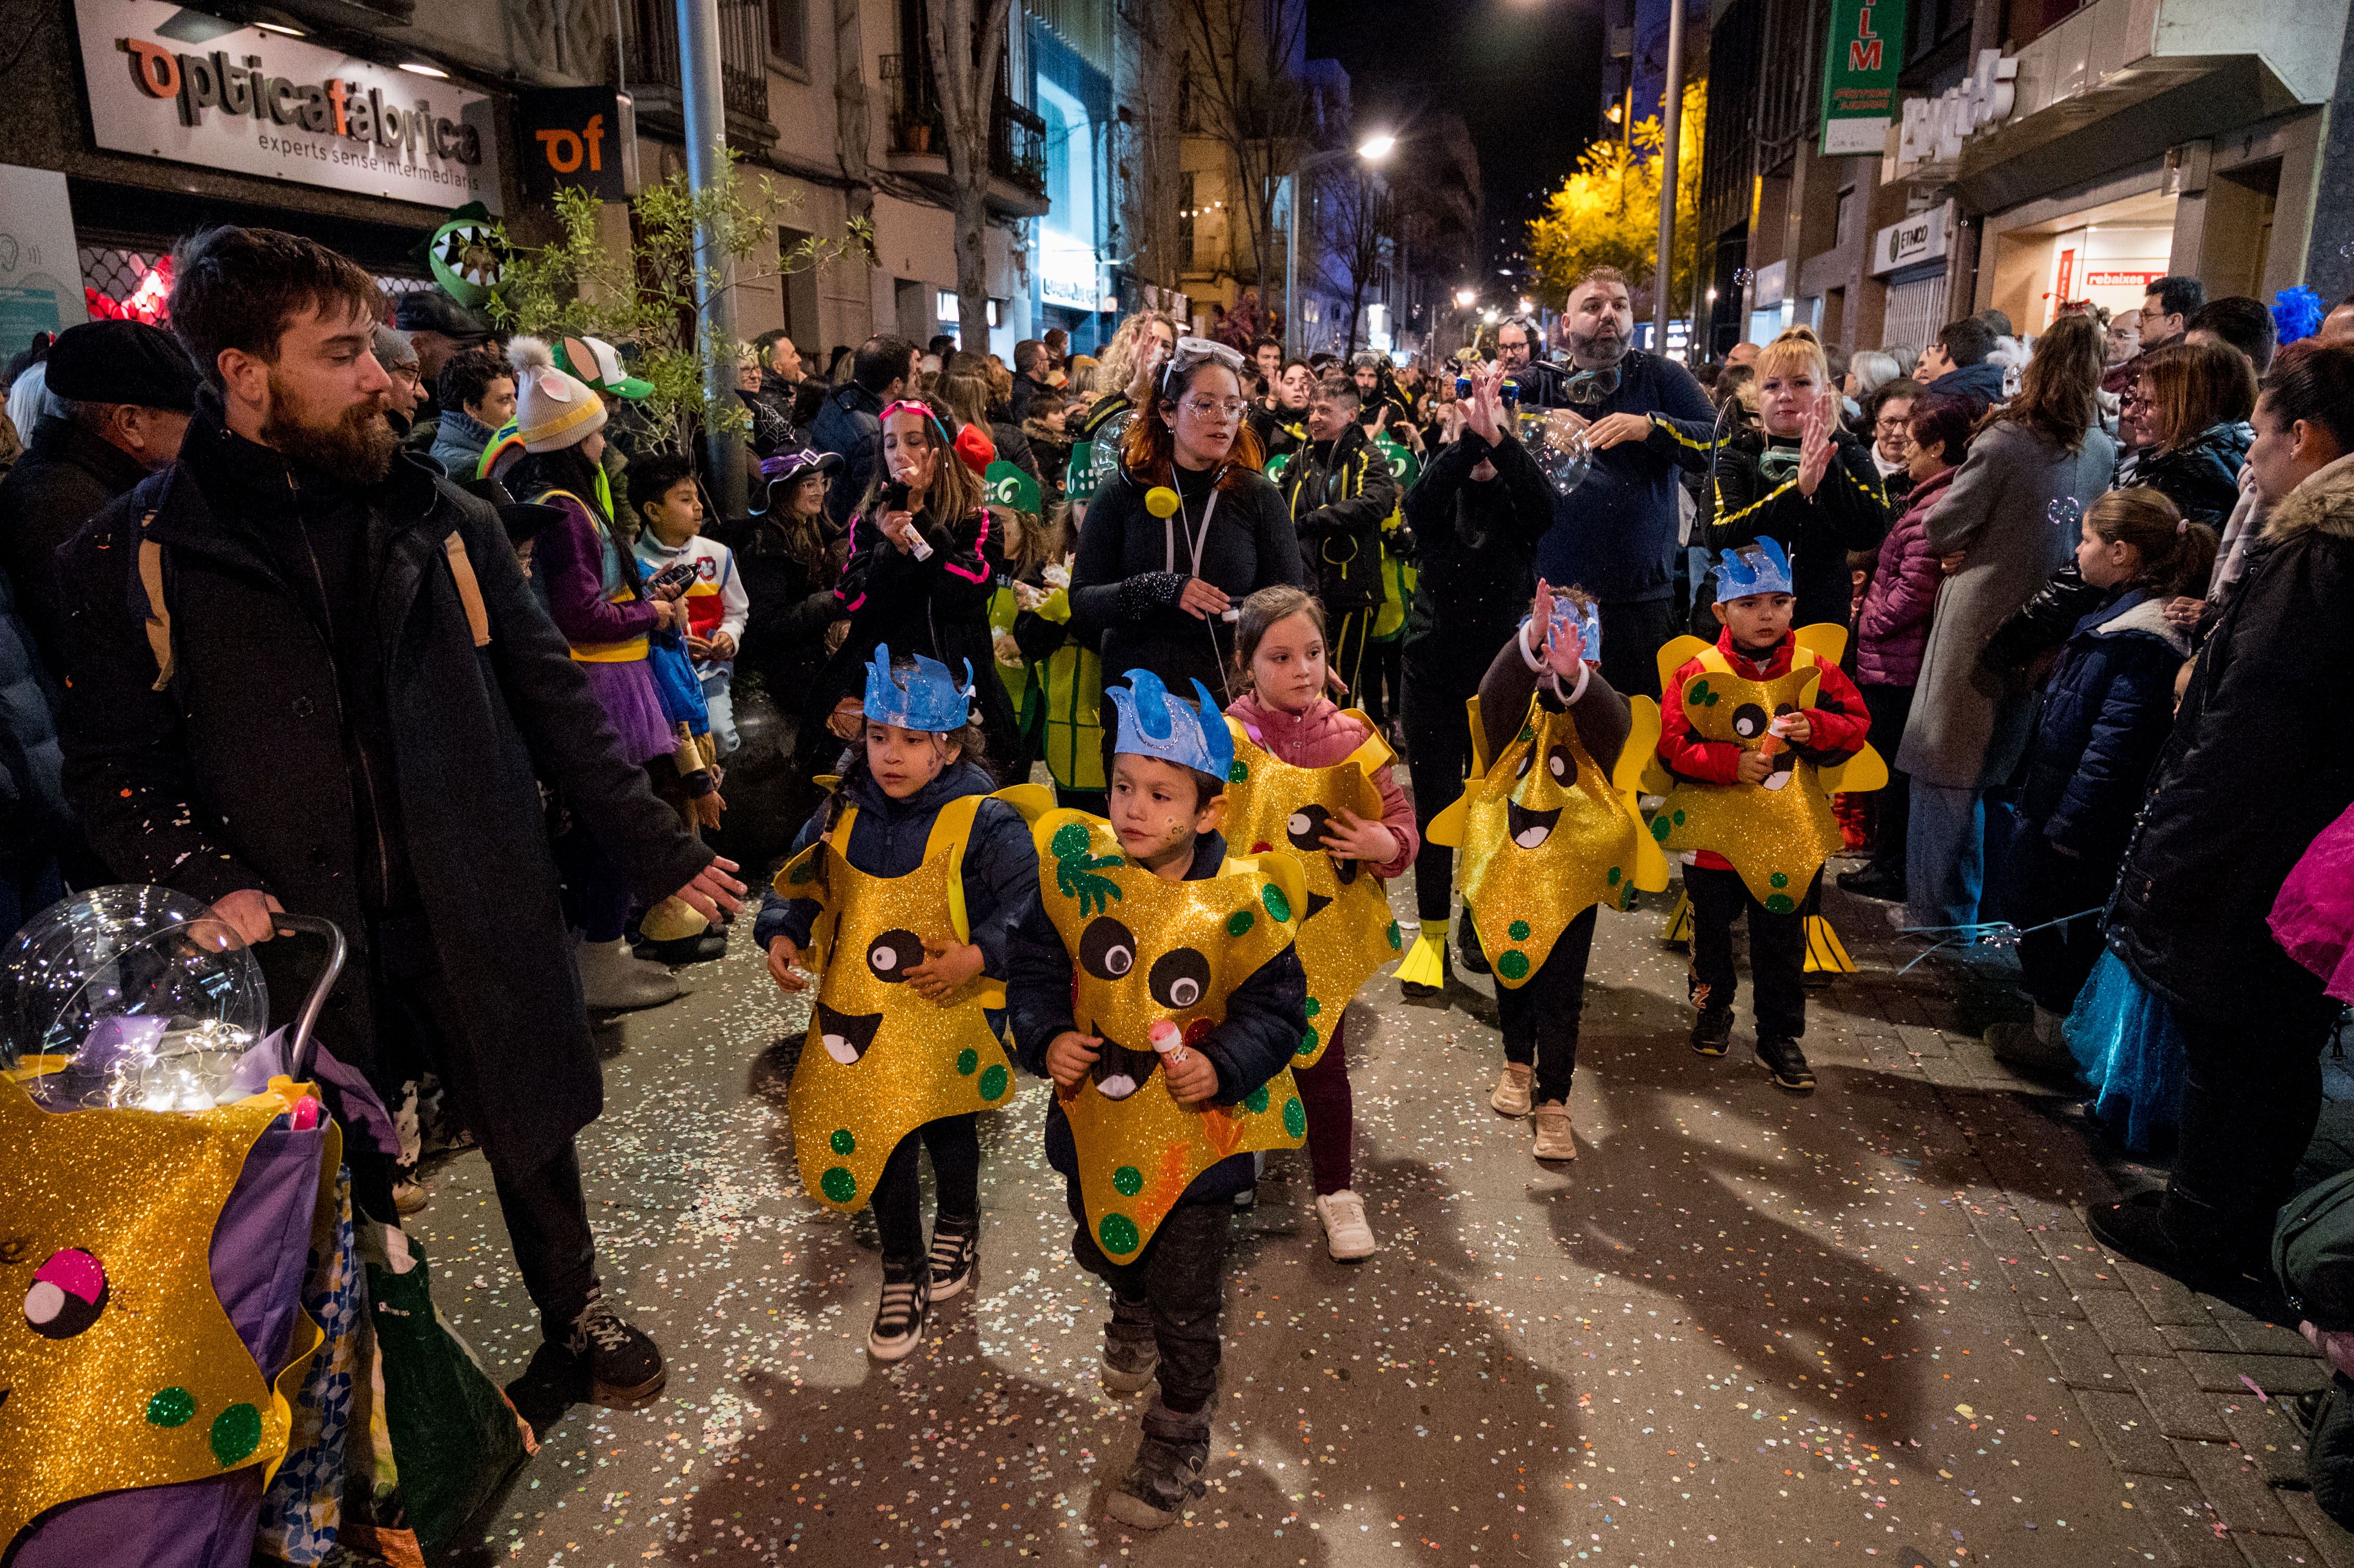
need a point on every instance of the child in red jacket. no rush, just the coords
(1762, 770)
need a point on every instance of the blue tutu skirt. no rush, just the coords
(2127, 1048)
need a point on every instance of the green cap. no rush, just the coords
(1009, 485)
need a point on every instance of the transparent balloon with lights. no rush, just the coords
(129, 997)
(1560, 447)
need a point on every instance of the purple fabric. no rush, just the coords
(1893, 630)
(627, 691)
(261, 1250)
(2313, 919)
(569, 557)
(362, 1112)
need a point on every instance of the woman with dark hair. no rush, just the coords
(2190, 408)
(2009, 515)
(1187, 531)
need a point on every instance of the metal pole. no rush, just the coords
(714, 297)
(1291, 265)
(1671, 114)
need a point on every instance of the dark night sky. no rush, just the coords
(1525, 74)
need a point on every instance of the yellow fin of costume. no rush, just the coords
(1866, 770)
(1478, 739)
(1446, 828)
(1826, 640)
(1679, 651)
(1825, 955)
(1679, 927)
(1425, 962)
(1640, 772)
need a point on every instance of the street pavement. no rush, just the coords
(1744, 1327)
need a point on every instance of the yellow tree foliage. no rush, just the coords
(1606, 213)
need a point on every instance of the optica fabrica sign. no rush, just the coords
(172, 83)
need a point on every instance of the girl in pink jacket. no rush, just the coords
(1280, 671)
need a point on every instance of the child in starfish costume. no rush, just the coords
(900, 897)
(1154, 979)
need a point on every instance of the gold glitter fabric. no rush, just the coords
(1777, 834)
(1346, 929)
(119, 1364)
(1543, 838)
(1143, 949)
(881, 1060)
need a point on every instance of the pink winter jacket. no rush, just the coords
(1321, 737)
(1892, 630)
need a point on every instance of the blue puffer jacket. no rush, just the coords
(2107, 712)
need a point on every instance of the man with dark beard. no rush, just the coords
(306, 667)
(1617, 534)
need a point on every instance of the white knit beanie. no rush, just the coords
(552, 410)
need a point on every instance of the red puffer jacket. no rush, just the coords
(1894, 629)
(1321, 737)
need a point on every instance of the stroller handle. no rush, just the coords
(303, 1048)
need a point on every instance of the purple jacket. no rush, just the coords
(570, 557)
(1893, 627)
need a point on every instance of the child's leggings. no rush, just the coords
(955, 1143)
(1539, 1016)
(1778, 951)
(1331, 1115)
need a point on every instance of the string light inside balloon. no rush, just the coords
(2065, 512)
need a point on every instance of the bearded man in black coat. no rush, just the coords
(305, 668)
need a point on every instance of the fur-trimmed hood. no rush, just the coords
(2324, 503)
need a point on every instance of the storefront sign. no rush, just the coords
(576, 137)
(40, 269)
(1770, 283)
(1935, 128)
(1067, 271)
(1859, 75)
(261, 103)
(1923, 237)
(2130, 278)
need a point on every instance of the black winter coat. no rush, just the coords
(2106, 711)
(59, 483)
(2201, 477)
(1341, 491)
(791, 605)
(2256, 767)
(1848, 512)
(239, 774)
(1475, 553)
(2039, 626)
(850, 421)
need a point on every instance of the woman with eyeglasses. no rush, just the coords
(2186, 417)
(1158, 589)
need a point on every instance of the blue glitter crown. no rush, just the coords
(1154, 724)
(926, 697)
(1763, 566)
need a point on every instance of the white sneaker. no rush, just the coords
(1346, 1236)
(613, 981)
(1554, 1139)
(1513, 1087)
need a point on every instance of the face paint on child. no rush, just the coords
(1156, 814)
(905, 761)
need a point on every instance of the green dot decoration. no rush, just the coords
(802, 872)
(1070, 838)
(842, 1142)
(1128, 1181)
(1313, 1007)
(994, 1082)
(1239, 922)
(1308, 1042)
(1278, 908)
(1528, 732)
(1661, 828)
(1680, 816)
(1518, 930)
(1780, 903)
(1237, 771)
(1295, 1118)
(1711, 699)
(1255, 1102)
(1612, 875)
(235, 1434)
(1778, 880)
(1513, 965)
(1698, 692)
(171, 1407)
(838, 1184)
(1118, 1234)
(1397, 940)
(967, 1060)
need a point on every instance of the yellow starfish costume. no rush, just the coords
(1143, 949)
(1346, 929)
(881, 1060)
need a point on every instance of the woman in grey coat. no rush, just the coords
(2009, 514)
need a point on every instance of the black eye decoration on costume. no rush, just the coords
(69, 1293)
(891, 954)
(1561, 763)
(1107, 949)
(1305, 827)
(1179, 978)
(1749, 721)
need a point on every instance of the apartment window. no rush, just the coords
(1185, 219)
(1843, 227)
(789, 31)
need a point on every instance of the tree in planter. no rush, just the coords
(964, 40)
(1606, 213)
(644, 292)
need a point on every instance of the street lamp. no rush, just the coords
(1463, 298)
(1373, 150)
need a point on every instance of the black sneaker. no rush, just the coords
(1785, 1064)
(1131, 1355)
(703, 947)
(956, 1256)
(1712, 1033)
(1165, 1478)
(1473, 958)
(899, 1316)
(623, 1363)
(1872, 882)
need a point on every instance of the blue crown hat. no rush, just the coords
(926, 698)
(1154, 724)
(1761, 567)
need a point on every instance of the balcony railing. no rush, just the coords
(649, 40)
(1017, 137)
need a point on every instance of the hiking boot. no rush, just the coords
(1872, 882)
(1346, 1236)
(1512, 1094)
(1167, 1474)
(1712, 1031)
(1554, 1139)
(1474, 959)
(2039, 1045)
(1785, 1064)
(956, 1254)
(623, 1363)
(613, 981)
(899, 1316)
(709, 947)
(1131, 1355)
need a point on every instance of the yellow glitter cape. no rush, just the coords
(1778, 834)
(1542, 837)
(120, 1365)
(881, 1060)
(1346, 930)
(1144, 949)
